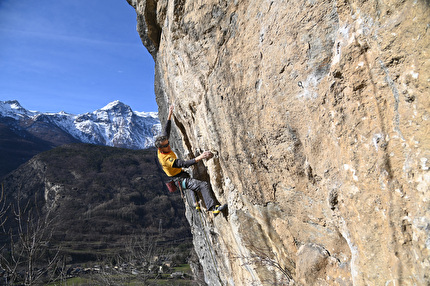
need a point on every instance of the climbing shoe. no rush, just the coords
(218, 209)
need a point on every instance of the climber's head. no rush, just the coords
(162, 143)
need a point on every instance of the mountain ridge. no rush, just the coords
(115, 124)
(25, 133)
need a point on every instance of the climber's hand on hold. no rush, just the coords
(205, 155)
(208, 154)
(171, 107)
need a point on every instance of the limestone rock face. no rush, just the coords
(319, 114)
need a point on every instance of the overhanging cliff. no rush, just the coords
(319, 113)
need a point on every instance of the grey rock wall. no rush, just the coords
(319, 114)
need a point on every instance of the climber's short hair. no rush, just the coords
(160, 139)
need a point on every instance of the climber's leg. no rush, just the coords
(204, 189)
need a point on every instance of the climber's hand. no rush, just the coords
(208, 154)
(171, 107)
(205, 155)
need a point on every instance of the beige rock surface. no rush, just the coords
(319, 113)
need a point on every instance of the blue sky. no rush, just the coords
(73, 55)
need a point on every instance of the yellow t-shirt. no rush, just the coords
(166, 161)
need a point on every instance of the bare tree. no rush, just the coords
(27, 256)
(133, 264)
(266, 257)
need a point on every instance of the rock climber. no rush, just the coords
(172, 166)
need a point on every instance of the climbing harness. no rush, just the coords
(183, 189)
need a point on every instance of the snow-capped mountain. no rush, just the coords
(116, 125)
(13, 109)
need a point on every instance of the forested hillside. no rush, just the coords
(97, 199)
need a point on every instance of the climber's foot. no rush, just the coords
(219, 209)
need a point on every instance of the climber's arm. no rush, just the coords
(185, 164)
(168, 126)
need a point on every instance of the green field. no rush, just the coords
(130, 280)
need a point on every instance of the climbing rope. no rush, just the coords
(197, 208)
